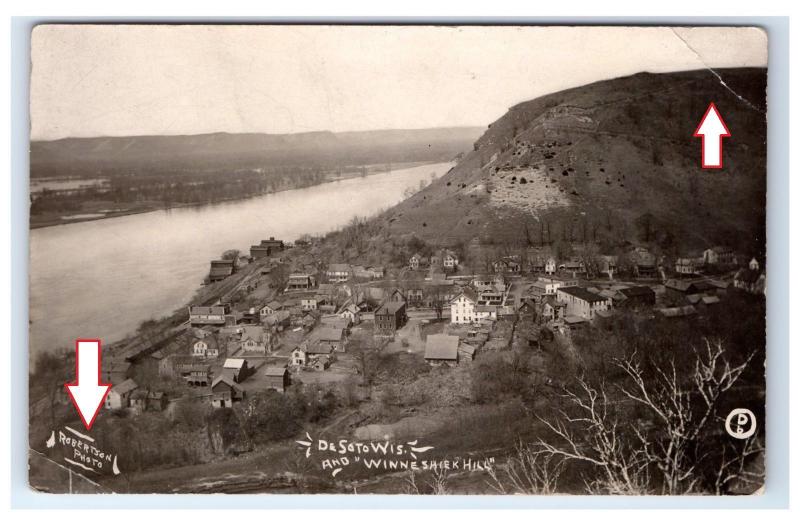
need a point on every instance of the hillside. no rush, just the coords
(610, 162)
(158, 154)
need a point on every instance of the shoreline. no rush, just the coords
(58, 221)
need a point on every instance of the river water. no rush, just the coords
(104, 277)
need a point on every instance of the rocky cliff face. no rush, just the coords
(609, 162)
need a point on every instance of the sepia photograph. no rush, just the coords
(397, 259)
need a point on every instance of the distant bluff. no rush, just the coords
(612, 162)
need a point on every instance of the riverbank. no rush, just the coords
(101, 211)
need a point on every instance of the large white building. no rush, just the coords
(581, 302)
(462, 307)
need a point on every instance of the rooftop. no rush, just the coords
(235, 363)
(583, 294)
(441, 346)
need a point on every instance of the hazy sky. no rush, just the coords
(135, 80)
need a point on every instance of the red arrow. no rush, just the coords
(712, 129)
(87, 392)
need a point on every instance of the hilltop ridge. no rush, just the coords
(610, 162)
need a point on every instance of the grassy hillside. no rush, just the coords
(612, 161)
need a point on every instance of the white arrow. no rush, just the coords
(712, 129)
(87, 392)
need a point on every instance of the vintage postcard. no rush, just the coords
(483, 260)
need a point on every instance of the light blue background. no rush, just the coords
(777, 460)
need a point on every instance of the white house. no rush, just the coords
(351, 313)
(685, 265)
(297, 357)
(719, 255)
(550, 266)
(309, 303)
(206, 347)
(270, 308)
(415, 261)
(255, 339)
(339, 273)
(462, 307)
(754, 265)
(449, 260)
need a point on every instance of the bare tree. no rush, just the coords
(527, 472)
(630, 454)
(436, 484)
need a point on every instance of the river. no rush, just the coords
(102, 278)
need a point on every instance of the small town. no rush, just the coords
(301, 319)
(279, 320)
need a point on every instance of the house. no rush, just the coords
(266, 248)
(550, 266)
(581, 302)
(607, 265)
(351, 313)
(416, 261)
(196, 374)
(224, 391)
(339, 273)
(485, 312)
(205, 347)
(441, 349)
(208, 314)
(462, 307)
(483, 283)
(377, 272)
(544, 286)
(327, 293)
(236, 368)
(449, 260)
(279, 320)
(509, 264)
(270, 308)
(320, 363)
(683, 287)
(143, 400)
(636, 297)
(333, 338)
(309, 303)
(299, 282)
(298, 357)
(221, 269)
(396, 295)
(314, 349)
(527, 309)
(277, 378)
(256, 340)
(368, 273)
(275, 245)
(753, 264)
(552, 309)
(389, 317)
(688, 265)
(573, 266)
(719, 255)
(119, 396)
(490, 298)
